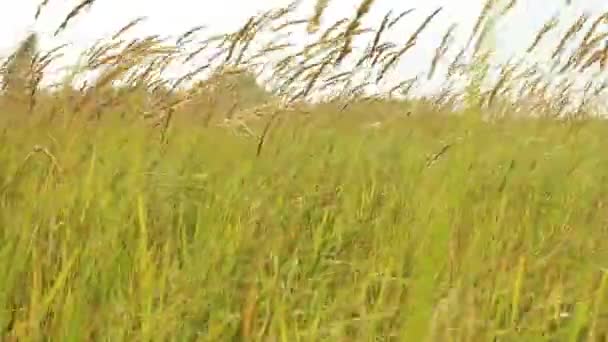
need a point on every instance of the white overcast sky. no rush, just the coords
(175, 16)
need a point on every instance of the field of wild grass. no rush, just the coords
(446, 229)
(134, 207)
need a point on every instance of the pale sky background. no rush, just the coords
(176, 16)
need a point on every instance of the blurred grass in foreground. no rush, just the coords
(445, 228)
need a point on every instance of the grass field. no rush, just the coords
(135, 213)
(467, 231)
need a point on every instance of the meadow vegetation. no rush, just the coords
(268, 194)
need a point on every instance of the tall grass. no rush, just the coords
(130, 209)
